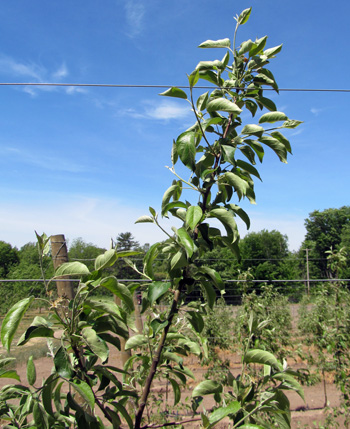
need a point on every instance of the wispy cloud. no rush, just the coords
(36, 73)
(47, 162)
(316, 111)
(165, 110)
(134, 11)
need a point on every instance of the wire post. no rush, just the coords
(60, 256)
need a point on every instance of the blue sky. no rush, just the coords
(89, 161)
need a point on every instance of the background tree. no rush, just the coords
(266, 253)
(326, 229)
(8, 258)
(79, 250)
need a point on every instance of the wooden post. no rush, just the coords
(59, 256)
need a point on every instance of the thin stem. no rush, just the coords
(156, 358)
(154, 426)
(199, 122)
(182, 180)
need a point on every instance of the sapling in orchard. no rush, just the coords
(220, 153)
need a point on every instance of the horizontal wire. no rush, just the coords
(224, 280)
(113, 85)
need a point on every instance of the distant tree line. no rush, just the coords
(264, 256)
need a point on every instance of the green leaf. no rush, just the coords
(178, 260)
(72, 269)
(40, 416)
(103, 306)
(223, 105)
(202, 101)
(227, 219)
(213, 275)
(196, 320)
(47, 395)
(229, 153)
(241, 213)
(222, 43)
(248, 167)
(240, 185)
(271, 117)
(291, 123)
(174, 92)
(166, 198)
(222, 412)
(119, 290)
(193, 78)
(149, 258)
(186, 149)
(176, 390)
(258, 46)
(266, 102)
(207, 387)
(62, 363)
(12, 320)
(84, 391)
(10, 373)
(262, 357)
(289, 382)
(96, 344)
(31, 372)
(106, 260)
(245, 47)
(144, 219)
(186, 241)
(272, 51)
(193, 216)
(135, 342)
(156, 290)
(210, 293)
(253, 129)
(40, 331)
(280, 137)
(276, 146)
(244, 16)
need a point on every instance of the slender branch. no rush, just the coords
(199, 122)
(182, 180)
(153, 426)
(156, 358)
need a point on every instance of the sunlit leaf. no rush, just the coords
(222, 412)
(186, 148)
(157, 290)
(96, 344)
(111, 283)
(271, 117)
(244, 16)
(253, 129)
(193, 216)
(224, 105)
(262, 357)
(12, 320)
(207, 387)
(186, 241)
(174, 92)
(84, 391)
(31, 372)
(135, 342)
(227, 219)
(105, 260)
(144, 219)
(222, 43)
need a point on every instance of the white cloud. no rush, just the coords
(61, 72)
(316, 111)
(47, 162)
(35, 73)
(164, 110)
(135, 11)
(96, 220)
